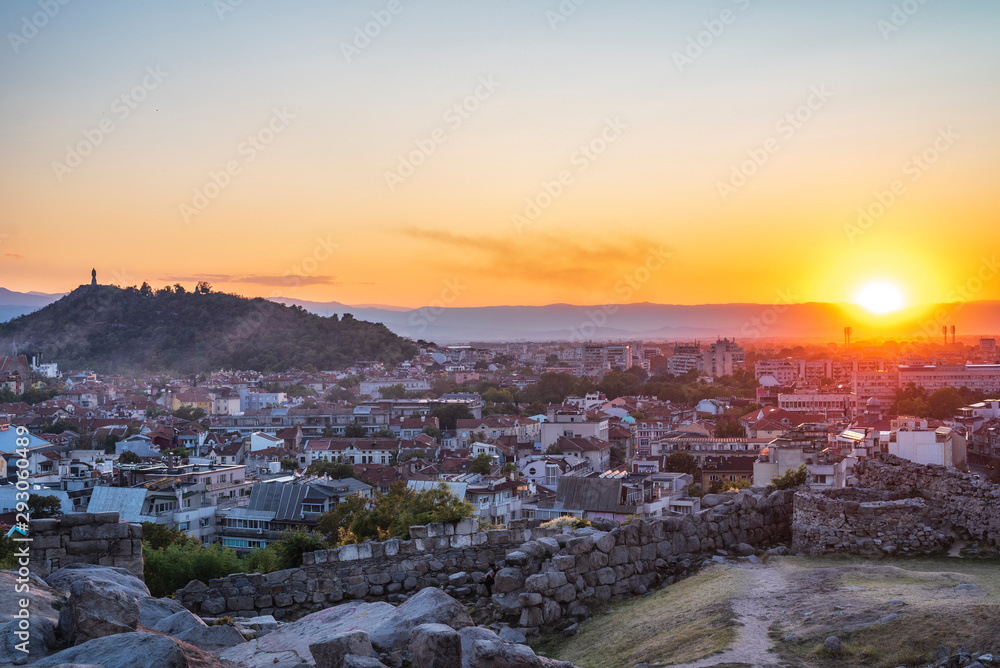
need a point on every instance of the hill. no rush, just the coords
(112, 330)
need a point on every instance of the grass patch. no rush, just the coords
(683, 622)
(934, 613)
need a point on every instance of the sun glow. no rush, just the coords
(880, 297)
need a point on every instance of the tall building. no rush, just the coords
(723, 358)
(687, 356)
(988, 350)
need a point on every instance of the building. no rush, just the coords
(686, 357)
(988, 350)
(726, 469)
(572, 424)
(911, 438)
(830, 404)
(723, 358)
(985, 377)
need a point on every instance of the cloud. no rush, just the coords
(290, 280)
(544, 257)
(14, 256)
(293, 280)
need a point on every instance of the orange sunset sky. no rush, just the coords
(836, 106)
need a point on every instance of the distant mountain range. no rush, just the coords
(645, 321)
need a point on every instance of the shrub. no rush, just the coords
(566, 521)
(791, 478)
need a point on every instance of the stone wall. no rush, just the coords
(85, 538)
(867, 522)
(546, 574)
(973, 505)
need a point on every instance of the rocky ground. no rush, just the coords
(105, 617)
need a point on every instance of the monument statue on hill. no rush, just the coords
(93, 277)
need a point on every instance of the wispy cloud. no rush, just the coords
(546, 258)
(288, 280)
(14, 256)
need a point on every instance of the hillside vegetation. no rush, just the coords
(113, 330)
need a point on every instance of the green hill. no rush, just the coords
(113, 330)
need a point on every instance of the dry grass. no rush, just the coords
(680, 623)
(931, 613)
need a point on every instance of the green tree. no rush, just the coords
(44, 506)
(681, 462)
(189, 413)
(449, 415)
(180, 453)
(336, 470)
(729, 428)
(431, 431)
(289, 464)
(791, 478)
(7, 395)
(350, 515)
(482, 464)
(720, 486)
(159, 536)
(59, 426)
(129, 457)
(355, 430)
(397, 391)
(553, 449)
(168, 569)
(293, 544)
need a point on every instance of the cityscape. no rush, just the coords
(556, 334)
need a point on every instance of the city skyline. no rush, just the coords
(527, 153)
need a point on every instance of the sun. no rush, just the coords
(880, 297)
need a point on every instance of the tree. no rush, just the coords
(44, 506)
(293, 544)
(617, 384)
(384, 432)
(189, 413)
(397, 391)
(431, 431)
(145, 290)
(337, 522)
(180, 453)
(59, 426)
(791, 478)
(338, 470)
(355, 430)
(203, 287)
(482, 464)
(289, 464)
(729, 428)
(449, 415)
(129, 457)
(159, 536)
(553, 449)
(681, 462)
(7, 395)
(720, 486)
(339, 394)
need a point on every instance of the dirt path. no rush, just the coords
(756, 607)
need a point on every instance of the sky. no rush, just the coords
(503, 151)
